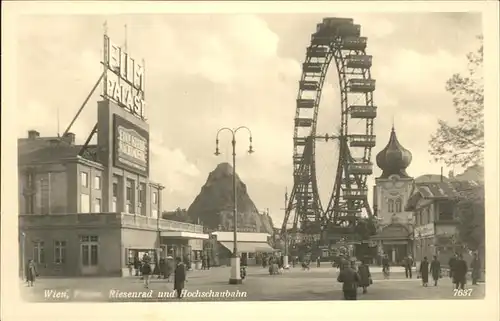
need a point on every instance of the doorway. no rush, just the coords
(89, 255)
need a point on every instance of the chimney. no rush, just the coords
(69, 138)
(33, 134)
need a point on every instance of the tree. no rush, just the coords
(179, 215)
(463, 143)
(471, 231)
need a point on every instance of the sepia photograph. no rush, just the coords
(171, 157)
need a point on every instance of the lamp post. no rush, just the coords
(235, 277)
(23, 255)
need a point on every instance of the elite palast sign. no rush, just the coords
(123, 79)
(131, 146)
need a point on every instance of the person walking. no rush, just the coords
(169, 267)
(424, 271)
(365, 277)
(460, 273)
(146, 271)
(408, 264)
(451, 265)
(318, 261)
(31, 273)
(208, 262)
(349, 279)
(137, 264)
(435, 270)
(179, 277)
(385, 266)
(475, 265)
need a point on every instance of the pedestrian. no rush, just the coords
(435, 270)
(459, 272)
(161, 268)
(365, 277)
(169, 267)
(208, 262)
(408, 264)
(31, 272)
(146, 271)
(451, 265)
(424, 271)
(204, 262)
(385, 266)
(350, 280)
(318, 261)
(137, 264)
(179, 277)
(475, 265)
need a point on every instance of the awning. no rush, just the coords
(248, 247)
(184, 235)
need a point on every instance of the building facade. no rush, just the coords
(89, 210)
(391, 191)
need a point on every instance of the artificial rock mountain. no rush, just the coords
(214, 205)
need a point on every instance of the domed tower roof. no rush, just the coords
(394, 158)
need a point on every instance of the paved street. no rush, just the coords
(295, 284)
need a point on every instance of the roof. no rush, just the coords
(48, 150)
(448, 190)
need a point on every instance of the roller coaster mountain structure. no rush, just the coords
(337, 39)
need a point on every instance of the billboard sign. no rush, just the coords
(131, 146)
(123, 79)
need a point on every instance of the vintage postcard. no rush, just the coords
(187, 153)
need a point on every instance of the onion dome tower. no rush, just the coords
(394, 158)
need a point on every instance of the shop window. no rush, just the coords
(60, 252)
(84, 179)
(251, 255)
(39, 252)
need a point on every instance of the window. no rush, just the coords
(390, 206)
(155, 198)
(29, 194)
(97, 182)
(115, 197)
(398, 205)
(251, 255)
(130, 196)
(154, 213)
(142, 193)
(97, 205)
(60, 252)
(84, 179)
(38, 253)
(89, 250)
(84, 203)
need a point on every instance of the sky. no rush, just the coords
(204, 72)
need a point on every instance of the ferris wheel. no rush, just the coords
(338, 40)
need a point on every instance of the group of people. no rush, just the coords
(164, 269)
(457, 270)
(352, 278)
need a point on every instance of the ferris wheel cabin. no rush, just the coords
(355, 194)
(308, 85)
(317, 52)
(354, 43)
(312, 67)
(365, 168)
(303, 122)
(361, 85)
(362, 140)
(305, 103)
(363, 111)
(359, 61)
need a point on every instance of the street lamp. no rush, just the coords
(235, 277)
(23, 253)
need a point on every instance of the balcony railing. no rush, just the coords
(106, 219)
